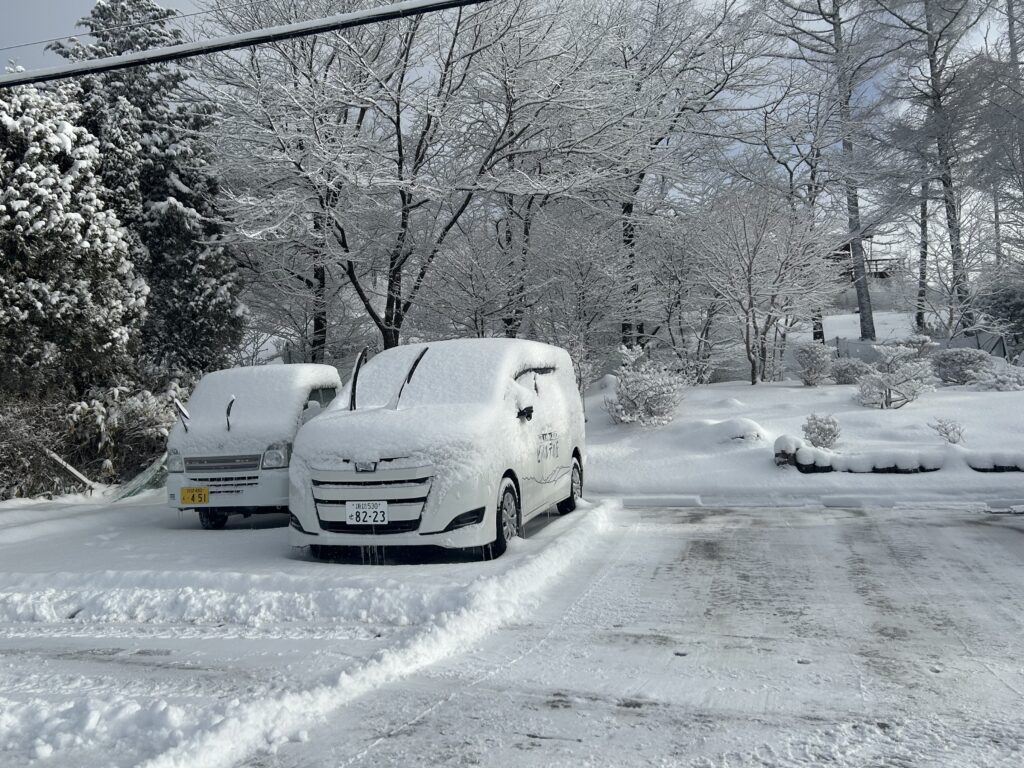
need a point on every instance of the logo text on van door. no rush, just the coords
(548, 448)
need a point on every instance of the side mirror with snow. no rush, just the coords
(524, 398)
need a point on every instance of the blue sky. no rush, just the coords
(26, 22)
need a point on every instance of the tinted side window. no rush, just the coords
(323, 395)
(536, 378)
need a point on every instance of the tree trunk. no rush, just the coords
(632, 327)
(961, 292)
(319, 341)
(944, 152)
(997, 224)
(922, 262)
(818, 326)
(393, 315)
(860, 281)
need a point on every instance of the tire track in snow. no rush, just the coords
(264, 724)
(531, 649)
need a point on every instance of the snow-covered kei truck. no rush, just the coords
(454, 444)
(229, 452)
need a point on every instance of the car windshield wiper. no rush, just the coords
(227, 413)
(355, 378)
(408, 377)
(182, 413)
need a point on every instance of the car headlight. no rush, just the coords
(175, 461)
(276, 456)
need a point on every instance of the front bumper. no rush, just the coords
(421, 505)
(252, 488)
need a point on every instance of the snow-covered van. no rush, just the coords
(453, 444)
(229, 451)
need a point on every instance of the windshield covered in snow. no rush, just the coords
(451, 372)
(266, 401)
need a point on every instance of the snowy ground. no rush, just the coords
(761, 629)
(130, 636)
(613, 637)
(720, 447)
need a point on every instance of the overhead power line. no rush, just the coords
(233, 42)
(136, 25)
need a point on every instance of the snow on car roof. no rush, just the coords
(269, 400)
(451, 372)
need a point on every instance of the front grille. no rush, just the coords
(225, 485)
(222, 463)
(404, 489)
(395, 526)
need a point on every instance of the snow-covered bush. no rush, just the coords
(923, 346)
(815, 362)
(116, 432)
(1009, 378)
(899, 377)
(961, 366)
(950, 431)
(821, 431)
(647, 392)
(849, 370)
(28, 429)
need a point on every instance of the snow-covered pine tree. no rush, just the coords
(70, 301)
(156, 167)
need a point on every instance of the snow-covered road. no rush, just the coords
(611, 637)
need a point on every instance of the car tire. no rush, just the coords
(506, 517)
(213, 519)
(575, 489)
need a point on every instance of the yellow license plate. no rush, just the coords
(195, 495)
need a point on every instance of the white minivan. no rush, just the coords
(229, 451)
(453, 444)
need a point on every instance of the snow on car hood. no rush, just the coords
(458, 442)
(269, 400)
(373, 434)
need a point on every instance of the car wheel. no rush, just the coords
(212, 519)
(506, 519)
(575, 489)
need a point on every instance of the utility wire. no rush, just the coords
(136, 25)
(234, 42)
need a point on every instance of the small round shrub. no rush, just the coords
(961, 366)
(815, 361)
(821, 431)
(950, 431)
(647, 391)
(849, 370)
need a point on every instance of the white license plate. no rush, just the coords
(366, 512)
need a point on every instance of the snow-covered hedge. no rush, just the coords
(1009, 378)
(792, 451)
(815, 362)
(962, 366)
(849, 370)
(647, 391)
(806, 458)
